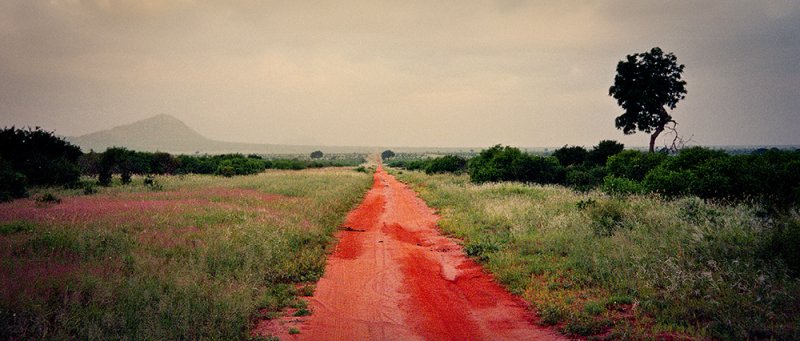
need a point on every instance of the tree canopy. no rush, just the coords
(387, 154)
(645, 84)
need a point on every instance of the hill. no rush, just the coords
(168, 134)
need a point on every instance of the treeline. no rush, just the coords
(128, 162)
(445, 164)
(35, 157)
(770, 176)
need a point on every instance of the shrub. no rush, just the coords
(387, 154)
(12, 183)
(240, 166)
(568, 156)
(621, 186)
(39, 155)
(317, 154)
(446, 164)
(162, 163)
(669, 182)
(584, 179)
(15, 227)
(603, 150)
(633, 164)
(48, 198)
(507, 163)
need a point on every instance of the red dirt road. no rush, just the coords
(393, 276)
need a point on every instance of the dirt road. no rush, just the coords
(393, 276)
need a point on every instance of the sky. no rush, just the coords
(397, 73)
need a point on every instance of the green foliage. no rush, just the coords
(35, 157)
(603, 150)
(594, 308)
(551, 314)
(784, 242)
(507, 163)
(568, 156)
(199, 271)
(316, 154)
(645, 83)
(13, 184)
(585, 178)
(387, 154)
(48, 198)
(686, 266)
(240, 166)
(668, 182)
(115, 160)
(162, 163)
(445, 164)
(15, 227)
(584, 325)
(621, 186)
(770, 177)
(633, 164)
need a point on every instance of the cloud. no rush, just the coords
(394, 73)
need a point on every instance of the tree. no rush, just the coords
(445, 164)
(645, 83)
(568, 156)
(316, 154)
(603, 150)
(387, 154)
(41, 156)
(506, 163)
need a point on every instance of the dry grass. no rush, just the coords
(625, 267)
(196, 258)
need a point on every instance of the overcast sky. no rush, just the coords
(396, 73)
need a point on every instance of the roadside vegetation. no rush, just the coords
(199, 257)
(624, 264)
(32, 157)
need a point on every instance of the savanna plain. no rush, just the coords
(184, 257)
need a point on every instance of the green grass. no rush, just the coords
(588, 261)
(203, 270)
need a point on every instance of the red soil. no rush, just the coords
(394, 276)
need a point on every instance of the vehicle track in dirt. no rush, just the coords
(394, 276)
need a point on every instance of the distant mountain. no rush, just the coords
(168, 134)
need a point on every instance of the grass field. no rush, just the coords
(186, 258)
(625, 267)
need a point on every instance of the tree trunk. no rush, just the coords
(654, 137)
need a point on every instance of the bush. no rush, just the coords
(445, 164)
(12, 183)
(669, 182)
(48, 198)
(162, 163)
(240, 166)
(633, 164)
(584, 179)
(602, 151)
(507, 163)
(568, 156)
(316, 154)
(42, 157)
(621, 186)
(387, 154)
(785, 243)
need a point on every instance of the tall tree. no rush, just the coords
(645, 84)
